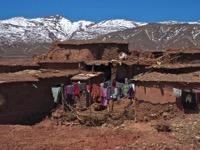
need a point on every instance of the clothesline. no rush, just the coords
(99, 93)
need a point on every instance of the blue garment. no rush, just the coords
(130, 91)
(115, 93)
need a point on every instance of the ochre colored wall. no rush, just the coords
(24, 103)
(155, 95)
(86, 52)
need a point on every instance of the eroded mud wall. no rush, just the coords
(155, 94)
(6, 69)
(86, 51)
(185, 58)
(59, 65)
(27, 102)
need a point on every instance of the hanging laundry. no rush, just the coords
(177, 92)
(133, 85)
(76, 90)
(109, 93)
(89, 88)
(107, 84)
(114, 83)
(118, 84)
(104, 100)
(95, 92)
(82, 86)
(125, 89)
(69, 90)
(101, 84)
(114, 93)
(130, 91)
(55, 92)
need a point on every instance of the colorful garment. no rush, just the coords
(76, 90)
(95, 92)
(125, 88)
(82, 86)
(69, 90)
(104, 100)
(115, 93)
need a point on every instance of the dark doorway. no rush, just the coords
(189, 102)
(106, 69)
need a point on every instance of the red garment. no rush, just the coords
(76, 90)
(89, 88)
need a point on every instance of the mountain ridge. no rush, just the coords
(27, 37)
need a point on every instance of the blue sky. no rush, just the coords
(97, 10)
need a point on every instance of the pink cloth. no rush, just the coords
(103, 92)
(68, 90)
(89, 88)
(104, 101)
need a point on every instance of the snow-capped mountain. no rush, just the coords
(105, 27)
(172, 22)
(21, 37)
(57, 28)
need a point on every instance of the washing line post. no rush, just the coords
(90, 100)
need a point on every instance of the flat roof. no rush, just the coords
(17, 62)
(178, 50)
(98, 62)
(85, 42)
(193, 77)
(175, 66)
(35, 75)
(85, 76)
(191, 50)
(60, 61)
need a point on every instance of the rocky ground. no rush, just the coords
(181, 132)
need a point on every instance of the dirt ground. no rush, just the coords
(46, 135)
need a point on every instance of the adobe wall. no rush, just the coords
(86, 52)
(186, 57)
(177, 70)
(155, 95)
(60, 65)
(27, 102)
(6, 69)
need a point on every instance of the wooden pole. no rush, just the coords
(63, 97)
(90, 103)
